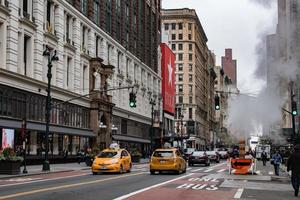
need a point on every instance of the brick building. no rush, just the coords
(229, 66)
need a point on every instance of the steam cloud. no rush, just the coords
(277, 64)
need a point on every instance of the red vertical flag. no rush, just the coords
(168, 75)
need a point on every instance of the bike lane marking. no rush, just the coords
(185, 187)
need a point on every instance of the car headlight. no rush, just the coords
(114, 161)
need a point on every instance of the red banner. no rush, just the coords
(168, 75)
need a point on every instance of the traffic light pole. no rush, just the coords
(295, 139)
(153, 103)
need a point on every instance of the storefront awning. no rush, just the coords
(130, 139)
(42, 127)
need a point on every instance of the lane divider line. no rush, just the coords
(196, 170)
(151, 187)
(209, 170)
(222, 170)
(67, 186)
(239, 193)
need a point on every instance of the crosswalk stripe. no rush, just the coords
(189, 168)
(271, 173)
(208, 170)
(222, 170)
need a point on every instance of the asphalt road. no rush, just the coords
(198, 183)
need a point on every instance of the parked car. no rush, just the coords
(213, 156)
(187, 152)
(199, 157)
(168, 159)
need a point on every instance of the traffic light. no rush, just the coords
(217, 102)
(294, 108)
(132, 100)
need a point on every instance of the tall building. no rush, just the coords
(183, 32)
(222, 87)
(283, 71)
(100, 45)
(229, 66)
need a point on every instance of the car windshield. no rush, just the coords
(189, 150)
(163, 154)
(109, 154)
(211, 153)
(198, 153)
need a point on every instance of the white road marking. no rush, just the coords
(239, 193)
(151, 187)
(43, 180)
(189, 168)
(22, 179)
(222, 170)
(196, 170)
(271, 173)
(258, 172)
(209, 170)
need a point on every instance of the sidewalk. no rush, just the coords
(56, 168)
(268, 170)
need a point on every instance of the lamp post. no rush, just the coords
(51, 55)
(24, 143)
(153, 103)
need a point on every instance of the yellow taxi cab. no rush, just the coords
(113, 159)
(167, 159)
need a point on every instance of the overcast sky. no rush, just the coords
(236, 24)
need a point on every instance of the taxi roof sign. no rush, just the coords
(114, 146)
(167, 145)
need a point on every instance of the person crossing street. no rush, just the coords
(277, 159)
(264, 156)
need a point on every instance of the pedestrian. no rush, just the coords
(264, 157)
(277, 159)
(293, 164)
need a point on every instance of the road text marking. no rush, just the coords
(151, 187)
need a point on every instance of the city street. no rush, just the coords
(209, 183)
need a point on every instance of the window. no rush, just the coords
(190, 99)
(190, 47)
(68, 70)
(174, 47)
(180, 77)
(166, 26)
(84, 7)
(173, 26)
(26, 54)
(190, 67)
(180, 56)
(180, 26)
(190, 88)
(68, 28)
(180, 67)
(97, 46)
(83, 38)
(190, 26)
(180, 36)
(190, 113)
(173, 36)
(84, 77)
(118, 64)
(190, 57)
(190, 36)
(108, 16)
(25, 7)
(96, 11)
(190, 78)
(180, 99)
(180, 88)
(180, 46)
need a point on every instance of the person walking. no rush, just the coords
(277, 159)
(293, 165)
(264, 157)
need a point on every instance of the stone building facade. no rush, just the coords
(84, 46)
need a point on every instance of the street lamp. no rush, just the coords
(51, 55)
(24, 143)
(153, 103)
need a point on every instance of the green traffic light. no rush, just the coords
(295, 113)
(131, 104)
(217, 107)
